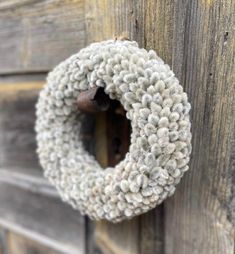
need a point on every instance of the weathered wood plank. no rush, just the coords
(105, 20)
(232, 168)
(197, 216)
(43, 218)
(14, 79)
(17, 118)
(36, 35)
(28, 182)
(21, 176)
(3, 241)
(108, 19)
(151, 232)
(18, 95)
(158, 27)
(118, 238)
(18, 244)
(197, 38)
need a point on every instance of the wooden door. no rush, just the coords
(196, 38)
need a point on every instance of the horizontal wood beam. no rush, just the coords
(42, 218)
(36, 35)
(35, 184)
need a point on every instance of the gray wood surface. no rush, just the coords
(36, 35)
(232, 168)
(16, 243)
(109, 19)
(197, 217)
(30, 206)
(196, 38)
(17, 119)
(42, 218)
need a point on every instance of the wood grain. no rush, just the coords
(197, 216)
(3, 240)
(28, 182)
(21, 177)
(232, 173)
(158, 27)
(17, 118)
(18, 244)
(196, 38)
(111, 19)
(127, 19)
(36, 35)
(118, 238)
(42, 218)
(17, 137)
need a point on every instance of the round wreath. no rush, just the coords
(160, 141)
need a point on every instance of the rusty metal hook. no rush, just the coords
(93, 100)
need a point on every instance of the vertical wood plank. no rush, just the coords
(3, 241)
(140, 21)
(108, 19)
(158, 27)
(118, 238)
(105, 20)
(151, 236)
(197, 216)
(232, 168)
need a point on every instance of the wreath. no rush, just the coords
(158, 110)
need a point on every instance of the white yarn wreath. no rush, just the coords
(160, 141)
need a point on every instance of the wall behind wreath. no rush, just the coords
(196, 38)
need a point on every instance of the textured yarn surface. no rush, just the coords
(160, 141)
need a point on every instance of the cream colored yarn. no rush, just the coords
(160, 141)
